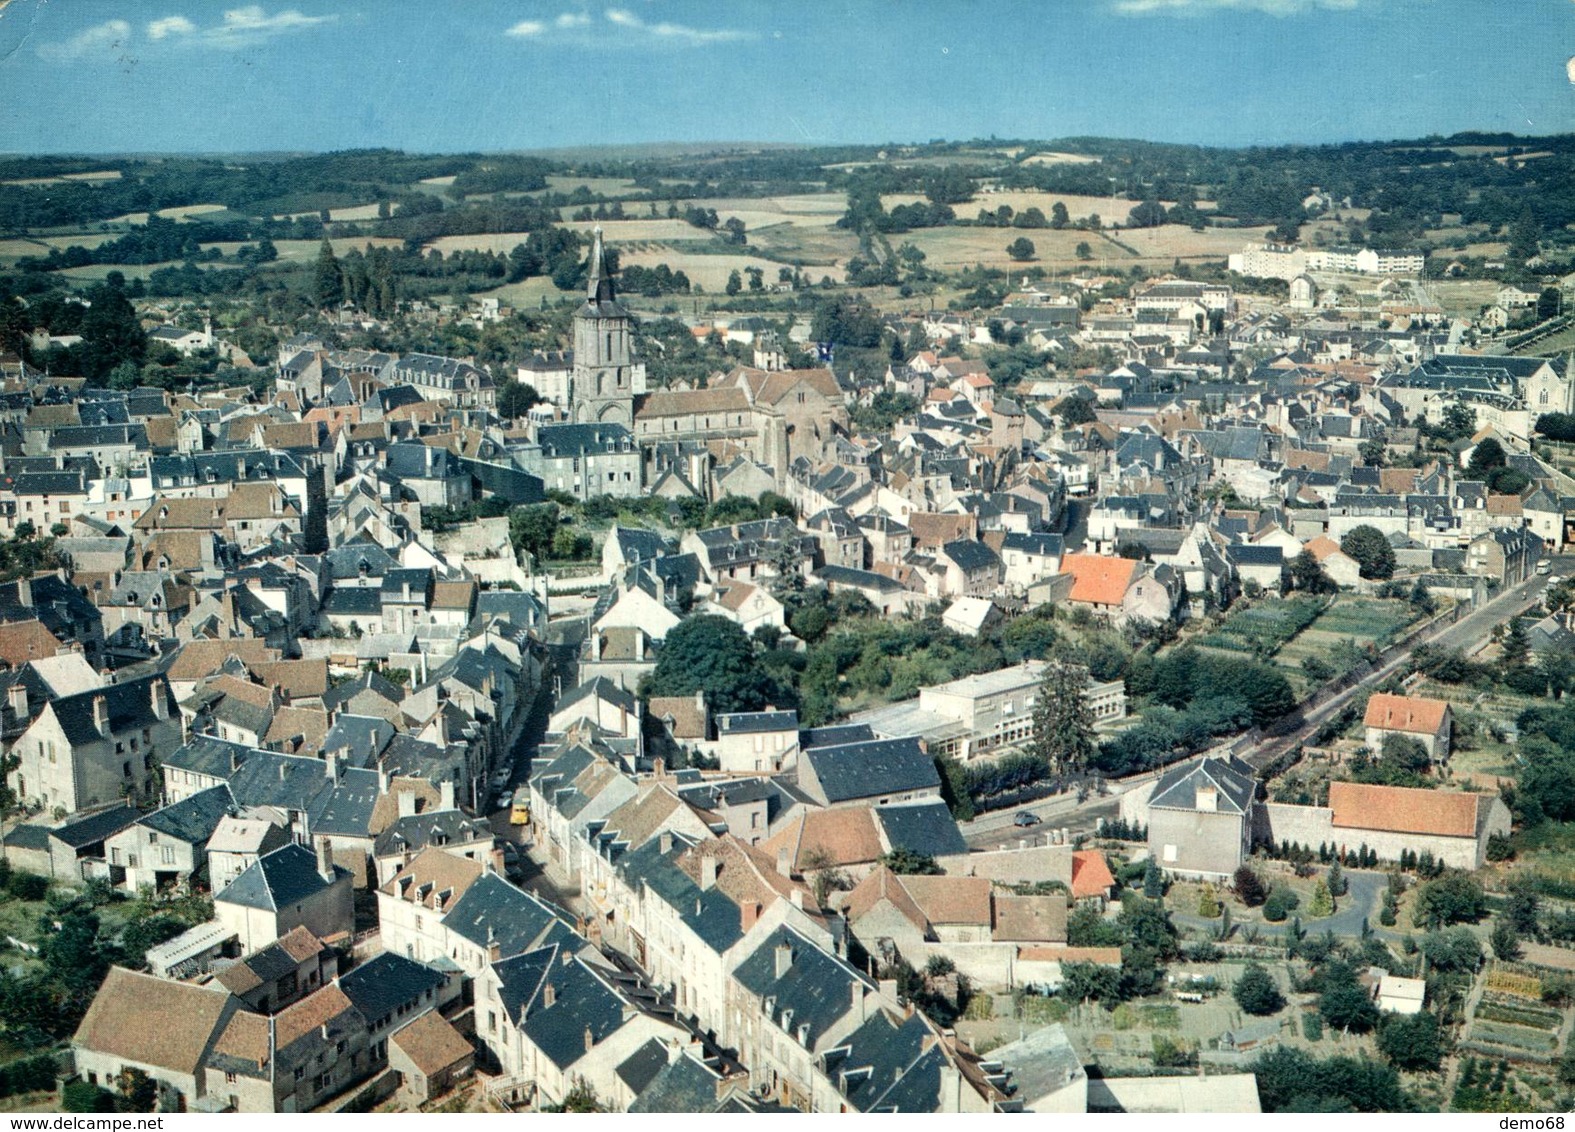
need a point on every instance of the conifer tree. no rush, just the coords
(1063, 722)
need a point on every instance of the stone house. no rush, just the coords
(1428, 721)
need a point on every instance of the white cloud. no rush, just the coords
(170, 25)
(239, 27)
(674, 33)
(1203, 7)
(574, 27)
(110, 36)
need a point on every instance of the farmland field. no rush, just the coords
(603, 186)
(354, 212)
(481, 242)
(304, 251)
(1020, 200)
(621, 231)
(964, 247)
(711, 271)
(1265, 626)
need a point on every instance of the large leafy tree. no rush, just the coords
(1412, 1042)
(713, 655)
(1063, 721)
(111, 334)
(1371, 550)
(1344, 1002)
(1450, 899)
(1307, 575)
(1256, 991)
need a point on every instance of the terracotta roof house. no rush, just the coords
(1392, 820)
(1091, 876)
(1121, 588)
(163, 1028)
(1428, 721)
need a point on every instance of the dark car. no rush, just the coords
(1026, 819)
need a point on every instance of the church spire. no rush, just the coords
(599, 288)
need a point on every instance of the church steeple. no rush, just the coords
(599, 287)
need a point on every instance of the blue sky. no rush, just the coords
(451, 75)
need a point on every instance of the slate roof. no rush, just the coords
(286, 876)
(1233, 779)
(970, 555)
(871, 768)
(92, 828)
(130, 707)
(748, 722)
(194, 818)
(685, 1085)
(923, 827)
(581, 1003)
(811, 996)
(494, 911)
(414, 832)
(345, 807)
(382, 984)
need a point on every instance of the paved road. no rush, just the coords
(1363, 900)
(996, 830)
(1470, 632)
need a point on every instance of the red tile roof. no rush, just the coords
(1098, 580)
(1402, 809)
(1090, 874)
(1415, 714)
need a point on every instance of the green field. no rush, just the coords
(1361, 621)
(1265, 626)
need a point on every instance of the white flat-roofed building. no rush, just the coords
(976, 715)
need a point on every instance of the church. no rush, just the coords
(621, 440)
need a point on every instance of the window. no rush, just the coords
(167, 853)
(229, 1078)
(1170, 854)
(153, 838)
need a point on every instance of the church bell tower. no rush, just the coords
(602, 384)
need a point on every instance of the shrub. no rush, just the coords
(1312, 1027)
(79, 1096)
(28, 886)
(1281, 903)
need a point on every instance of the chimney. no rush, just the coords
(331, 766)
(784, 866)
(658, 767)
(797, 897)
(784, 958)
(407, 803)
(101, 714)
(590, 1039)
(664, 843)
(446, 795)
(858, 999)
(24, 591)
(707, 873)
(156, 695)
(404, 588)
(17, 695)
(1207, 799)
(748, 914)
(325, 861)
(888, 992)
(549, 993)
(495, 954)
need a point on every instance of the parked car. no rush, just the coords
(1026, 818)
(504, 800)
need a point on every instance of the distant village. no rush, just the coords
(431, 808)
